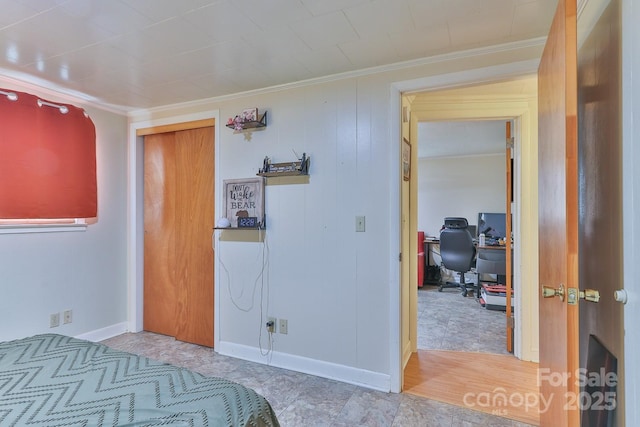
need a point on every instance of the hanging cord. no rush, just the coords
(263, 258)
(264, 263)
(264, 286)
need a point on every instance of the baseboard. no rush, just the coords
(104, 333)
(333, 371)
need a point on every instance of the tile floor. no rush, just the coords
(305, 400)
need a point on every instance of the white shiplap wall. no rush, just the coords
(331, 283)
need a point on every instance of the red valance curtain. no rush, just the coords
(47, 159)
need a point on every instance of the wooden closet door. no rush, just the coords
(194, 228)
(159, 234)
(178, 222)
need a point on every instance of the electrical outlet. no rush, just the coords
(271, 324)
(283, 326)
(67, 316)
(54, 320)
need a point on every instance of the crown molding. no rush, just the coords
(60, 93)
(463, 54)
(73, 96)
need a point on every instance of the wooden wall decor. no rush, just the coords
(244, 198)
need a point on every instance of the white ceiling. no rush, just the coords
(465, 138)
(134, 54)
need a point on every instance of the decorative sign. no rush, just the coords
(244, 202)
(406, 159)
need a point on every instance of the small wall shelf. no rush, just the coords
(298, 168)
(239, 228)
(247, 124)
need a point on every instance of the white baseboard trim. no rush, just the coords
(104, 333)
(333, 371)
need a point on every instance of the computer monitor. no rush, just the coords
(493, 225)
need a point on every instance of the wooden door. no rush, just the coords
(558, 218)
(581, 218)
(178, 223)
(159, 234)
(195, 222)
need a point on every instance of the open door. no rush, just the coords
(580, 205)
(558, 219)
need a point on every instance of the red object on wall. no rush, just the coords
(420, 258)
(47, 159)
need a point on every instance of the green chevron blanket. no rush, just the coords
(54, 380)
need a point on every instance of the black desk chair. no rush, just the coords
(457, 251)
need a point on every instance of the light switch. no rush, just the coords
(360, 223)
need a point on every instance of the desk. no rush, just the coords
(432, 272)
(492, 248)
(491, 260)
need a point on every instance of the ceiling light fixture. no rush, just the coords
(63, 108)
(11, 96)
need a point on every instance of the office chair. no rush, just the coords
(457, 252)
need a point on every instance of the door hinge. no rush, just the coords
(400, 257)
(511, 323)
(511, 142)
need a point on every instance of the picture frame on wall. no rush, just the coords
(244, 201)
(406, 159)
(249, 115)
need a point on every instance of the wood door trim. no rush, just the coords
(508, 253)
(175, 127)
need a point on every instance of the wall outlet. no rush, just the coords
(283, 326)
(54, 320)
(67, 316)
(271, 324)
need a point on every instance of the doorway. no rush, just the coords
(461, 173)
(513, 99)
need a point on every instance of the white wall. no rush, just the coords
(332, 284)
(44, 273)
(459, 186)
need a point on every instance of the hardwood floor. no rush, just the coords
(491, 383)
(454, 366)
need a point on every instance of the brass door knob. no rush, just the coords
(591, 295)
(548, 292)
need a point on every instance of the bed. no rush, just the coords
(55, 380)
